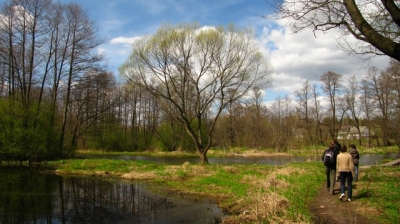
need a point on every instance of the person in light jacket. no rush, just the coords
(345, 170)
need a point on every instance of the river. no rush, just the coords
(365, 159)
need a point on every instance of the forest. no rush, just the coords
(56, 97)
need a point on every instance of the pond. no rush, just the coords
(30, 196)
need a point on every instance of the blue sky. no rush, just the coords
(294, 57)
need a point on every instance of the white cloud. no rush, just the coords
(301, 56)
(124, 40)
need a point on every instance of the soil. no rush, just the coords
(328, 208)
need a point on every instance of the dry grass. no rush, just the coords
(139, 175)
(263, 202)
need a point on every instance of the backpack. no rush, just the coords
(329, 158)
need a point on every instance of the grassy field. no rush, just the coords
(378, 194)
(245, 193)
(251, 193)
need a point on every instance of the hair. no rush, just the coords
(343, 148)
(353, 146)
(332, 145)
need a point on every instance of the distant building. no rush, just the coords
(352, 132)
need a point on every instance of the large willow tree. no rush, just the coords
(198, 71)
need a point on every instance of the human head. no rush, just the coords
(332, 145)
(352, 146)
(343, 148)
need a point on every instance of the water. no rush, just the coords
(375, 159)
(365, 159)
(30, 196)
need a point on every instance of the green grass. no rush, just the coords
(252, 193)
(303, 184)
(244, 192)
(379, 188)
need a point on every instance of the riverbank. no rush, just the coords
(252, 193)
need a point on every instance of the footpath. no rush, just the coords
(327, 208)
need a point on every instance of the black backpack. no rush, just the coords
(329, 158)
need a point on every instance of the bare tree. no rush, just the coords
(382, 94)
(81, 40)
(91, 99)
(367, 101)
(388, 84)
(331, 87)
(394, 72)
(317, 113)
(197, 70)
(351, 99)
(304, 99)
(22, 37)
(255, 114)
(282, 123)
(375, 24)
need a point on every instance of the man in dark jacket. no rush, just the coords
(338, 146)
(355, 156)
(330, 167)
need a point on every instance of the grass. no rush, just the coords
(379, 193)
(253, 193)
(303, 186)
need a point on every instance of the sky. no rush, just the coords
(293, 57)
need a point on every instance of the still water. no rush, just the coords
(30, 196)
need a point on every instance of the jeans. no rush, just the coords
(356, 172)
(330, 179)
(346, 177)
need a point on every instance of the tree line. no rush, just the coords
(184, 88)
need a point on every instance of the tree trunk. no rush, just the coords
(203, 157)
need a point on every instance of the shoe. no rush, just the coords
(341, 196)
(349, 200)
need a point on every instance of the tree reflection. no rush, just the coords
(93, 199)
(31, 197)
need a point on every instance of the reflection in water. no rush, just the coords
(32, 197)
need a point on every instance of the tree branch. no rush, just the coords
(382, 43)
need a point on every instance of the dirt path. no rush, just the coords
(328, 208)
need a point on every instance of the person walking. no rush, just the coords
(329, 158)
(345, 169)
(355, 155)
(338, 146)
